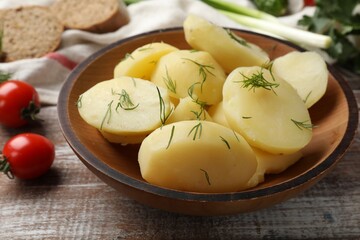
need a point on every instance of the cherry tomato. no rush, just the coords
(27, 156)
(19, 103)
(309, 2)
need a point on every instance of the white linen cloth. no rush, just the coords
(47, 73)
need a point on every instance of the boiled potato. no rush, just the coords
(187, 72)
(141, 62)
(189, 109)
(125, 109)
(306, 72)
(271, 164)
(267, 111)
(197, 156)
(217, 114)
(228, 49)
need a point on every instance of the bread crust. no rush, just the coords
(74, 15)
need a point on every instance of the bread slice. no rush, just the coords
(99, 16)
(29, 32)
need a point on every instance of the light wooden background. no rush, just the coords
(69, 202)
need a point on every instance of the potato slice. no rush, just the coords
(228, 49)
(141, 62)
(306, 72)
(197, 156)
(125, 109)
(267, 111)
(217, 114)
(189, 109)
(271, 164)
(186, 72)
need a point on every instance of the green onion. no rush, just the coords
(232, 7)
(292, 34)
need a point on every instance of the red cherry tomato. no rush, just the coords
(27, 156)
(309, 2)
(19, 103)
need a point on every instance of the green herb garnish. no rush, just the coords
(196, 130)
(163, 115)
(125, 101)
(169, 82)
(171, 136)
(107, 115)
(206, 176)
(225, 141)
(257, 80)
(238, 39)
(303, 125)
(203, 71)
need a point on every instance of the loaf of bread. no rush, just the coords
(29, 32)
(99, 16)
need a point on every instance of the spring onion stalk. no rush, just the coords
(235, 8)
(295, 35)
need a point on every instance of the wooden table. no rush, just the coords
(70, 202)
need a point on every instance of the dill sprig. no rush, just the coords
(169, 82)
(125, 101)
(163, 115)
(171, 136)
(79, 102)
(225, 141)
(201, 114)
(206, 176)
(197, 129)
(303, 125)
(127, 55)
(307, 97)
(203, 71)
(107, 115)
(257, 80)
(238, 39)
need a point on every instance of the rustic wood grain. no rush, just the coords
(69, 202)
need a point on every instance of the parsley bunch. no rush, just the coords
(336, 18)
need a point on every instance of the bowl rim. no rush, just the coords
(96, 163)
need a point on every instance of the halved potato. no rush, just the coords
(197, 156)
(217, 114)
(271, 164)
(228, 49)
(141, 62)
(306, 72)
(187, 72)
(189, 109)
(125, 109)
(267, 111)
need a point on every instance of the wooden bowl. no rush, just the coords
(335, 115)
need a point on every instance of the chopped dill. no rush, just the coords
(125, 101)
(169, 82)
(79, 102)
(257, 80)
(171, 136)
(238, 39)
(226, 142)
(203, 71)
(303, 125)
(206, 176)
(163, 115)
(107, 115)
(197, 129)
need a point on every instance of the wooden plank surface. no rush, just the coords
(69, 202)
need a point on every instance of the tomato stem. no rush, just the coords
(5, 166)
(29, 113)
(4, 76)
